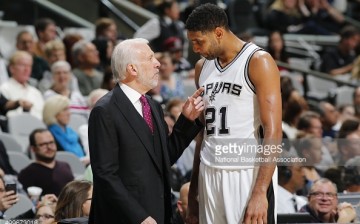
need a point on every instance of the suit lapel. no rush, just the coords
(137, 123)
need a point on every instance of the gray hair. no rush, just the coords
(323, 181)
(78, 49)
(60, 64)
(125, 53)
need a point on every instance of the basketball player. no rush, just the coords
(242, 93)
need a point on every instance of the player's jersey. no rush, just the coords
(231, 109)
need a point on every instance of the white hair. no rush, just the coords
(60, 64)
(125, 53)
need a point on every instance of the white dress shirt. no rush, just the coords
(134, 97)
(285, 203)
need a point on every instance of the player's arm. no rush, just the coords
(193, 205)
(264, 74)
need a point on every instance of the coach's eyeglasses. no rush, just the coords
(320, 195)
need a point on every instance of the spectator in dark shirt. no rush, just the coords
(340, 60)
(46, 172)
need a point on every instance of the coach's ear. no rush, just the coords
(131, 70)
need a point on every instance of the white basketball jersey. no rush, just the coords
(231, 107)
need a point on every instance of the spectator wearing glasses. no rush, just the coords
(45, 215)
(45, 172)
(323, 204)
(74, 201)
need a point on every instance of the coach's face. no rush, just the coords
(147, 68)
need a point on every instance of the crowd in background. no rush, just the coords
(52, 78)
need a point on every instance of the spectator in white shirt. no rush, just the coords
(17, 87)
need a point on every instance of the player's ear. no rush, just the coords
(219, 32)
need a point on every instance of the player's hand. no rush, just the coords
(194, 105)
(256, 211)
(192, 213)
(149, 220)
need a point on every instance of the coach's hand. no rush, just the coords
(149, 220)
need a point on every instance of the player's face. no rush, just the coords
(204, 44)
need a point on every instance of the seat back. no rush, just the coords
(76, 165)
(76, 120)
(21, 125)
(18, 160)
(10, 143)
(23, 205)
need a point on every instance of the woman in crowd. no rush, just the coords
(74, 200)
(56, 116)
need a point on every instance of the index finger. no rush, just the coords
(198, 92)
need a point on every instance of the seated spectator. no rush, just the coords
(57, 116)
(54, 52)
(105, 48)
(45, 29)
(61, 76)
(310, 123)
(25, 42)
(323, 14)
(157, 30)
(309, 146)
(276, 48)
(348, 141)
(17, 87)
(351, 175)
(51, 175)
(340, 60)
(69, 40)
(106, 28)
(329, 117)
(45, 206)
(323, 204)
(285, 16)
(86, 59)
(346, 112)
(293, 106)
(182, 204)
(174, 46)
(74, 200)
(290, 179)
(7, 198)
(171, 83)
(45, 214)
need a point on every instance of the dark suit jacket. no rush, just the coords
(130, 184)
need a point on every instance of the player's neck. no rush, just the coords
(231, 50)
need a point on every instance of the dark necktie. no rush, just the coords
(295, 204)
(146, 112)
